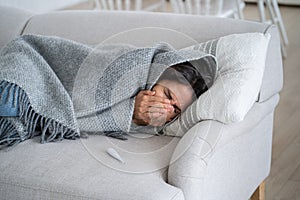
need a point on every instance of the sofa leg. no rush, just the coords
(259, 193)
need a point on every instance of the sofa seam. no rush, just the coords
(25, 25)
(270, 26)
(176, 194)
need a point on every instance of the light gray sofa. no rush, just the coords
(232, 159)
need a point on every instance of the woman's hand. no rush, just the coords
(150, 109)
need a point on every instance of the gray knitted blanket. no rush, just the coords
(62, 89)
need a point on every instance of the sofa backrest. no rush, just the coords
(94, 27)
(12, 23)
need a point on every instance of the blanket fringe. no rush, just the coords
(34, 123)
(11, 136)
(116, 134)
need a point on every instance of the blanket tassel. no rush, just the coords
(34, 123)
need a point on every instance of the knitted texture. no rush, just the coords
(63, 88)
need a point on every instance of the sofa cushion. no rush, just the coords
(241, 63)
(13, 23)
(81, 169)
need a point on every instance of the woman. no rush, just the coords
(60, 88)
(175, 90)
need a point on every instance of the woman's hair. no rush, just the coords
(185, 73)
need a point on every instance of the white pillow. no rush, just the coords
(241, 63)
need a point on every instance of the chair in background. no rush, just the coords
(221, 8)
(130, 5)
(275, 15)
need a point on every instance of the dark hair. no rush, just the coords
(186, 73)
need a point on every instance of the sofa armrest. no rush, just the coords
(12, 23)
(216, 156)
(273, 69)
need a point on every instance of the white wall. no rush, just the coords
(40, 6)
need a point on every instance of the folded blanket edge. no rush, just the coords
(11, 134)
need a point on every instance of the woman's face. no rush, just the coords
(180, 94)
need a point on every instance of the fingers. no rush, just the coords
(150, 109)
(155, 119)
(156, 99)
(147, 92)
(149, 96)
(159, 109)
(147, 99)
(149, 114)
(151, 117)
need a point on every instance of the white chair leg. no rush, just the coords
(96, 5)
(111, 5)
(189, 7)
(104, 5)
(181, 6)
(197, 9)
(240, 5)
(138, 4)
(283, 50)
(280, 22)
(271, 11)
(275, 20)
(163, 5)
(175, 6)
(119, 5)
(261, 8)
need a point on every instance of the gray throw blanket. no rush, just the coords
(63, 88)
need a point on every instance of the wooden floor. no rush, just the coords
(284, 180)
